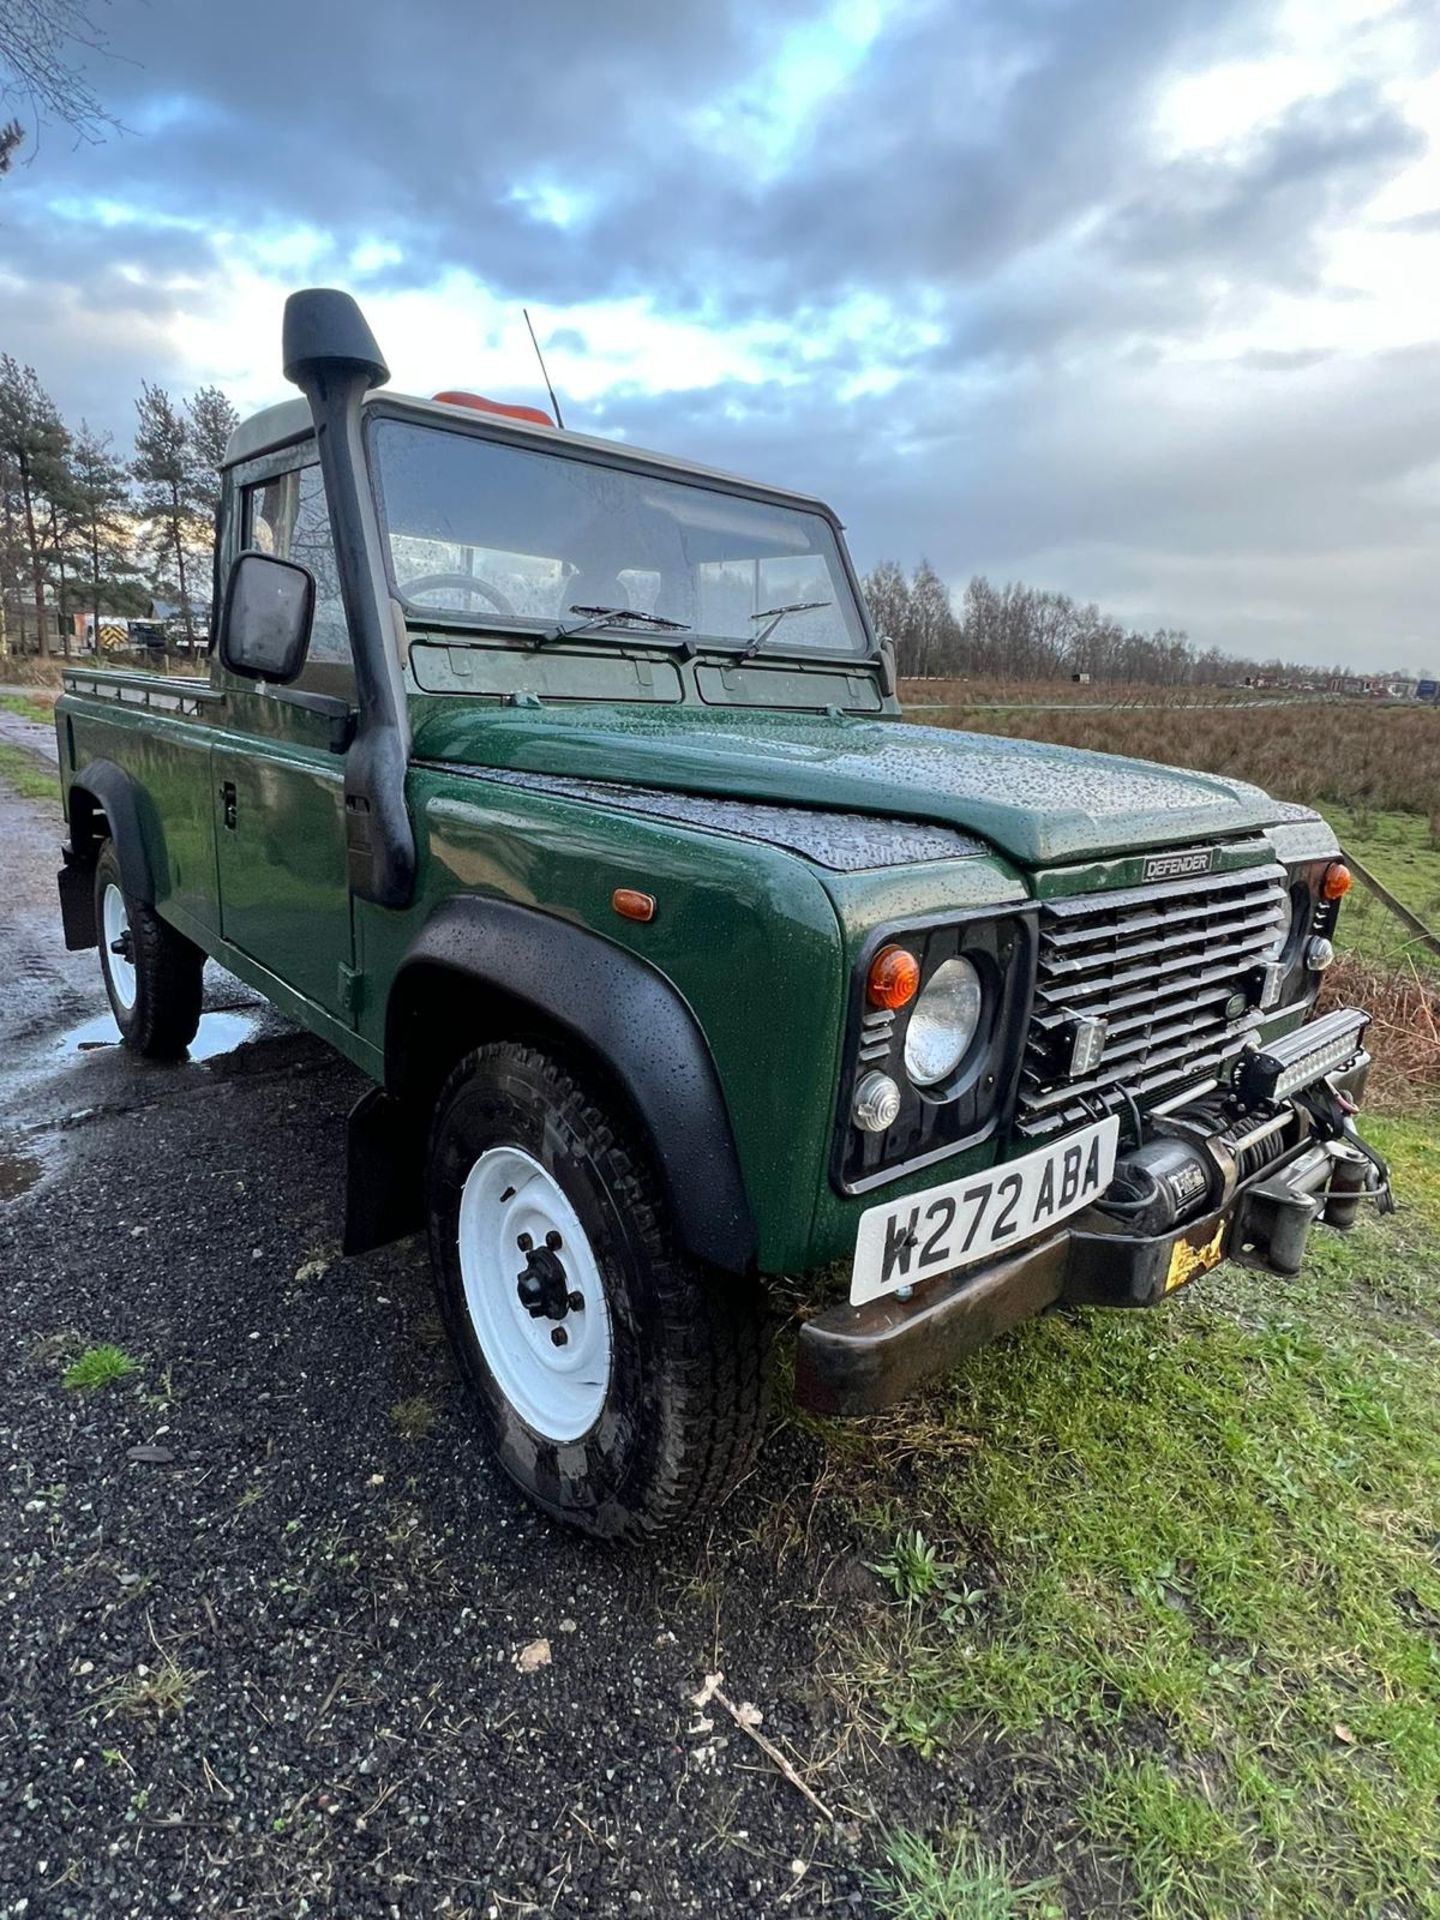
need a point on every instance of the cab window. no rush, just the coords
(286, 516)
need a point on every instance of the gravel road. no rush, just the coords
(267, 1605)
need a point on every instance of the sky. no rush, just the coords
(1134, 299)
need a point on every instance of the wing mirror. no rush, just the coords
(265, 626)
(888, 675)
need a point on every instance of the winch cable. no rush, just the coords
(1330, 1115)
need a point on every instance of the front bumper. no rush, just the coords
(857, 1360)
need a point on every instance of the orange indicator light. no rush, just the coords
(893, 979)
(1337, 881)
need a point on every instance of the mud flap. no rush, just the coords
(384, 1172)
(76, 881)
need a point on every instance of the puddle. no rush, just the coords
(19, 1171)
(220, 1033)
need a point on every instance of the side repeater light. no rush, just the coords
(1337, 881)
(893, 978)
(631, 904)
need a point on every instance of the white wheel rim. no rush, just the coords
(120, 966)
(509, 1206)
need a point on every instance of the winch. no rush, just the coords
(1280, 1143)
(1162, 1184)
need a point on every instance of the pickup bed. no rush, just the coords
(563, 789)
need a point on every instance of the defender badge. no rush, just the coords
(1179, 866)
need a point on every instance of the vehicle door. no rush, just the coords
(279, 774)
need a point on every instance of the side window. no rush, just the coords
(287, 516)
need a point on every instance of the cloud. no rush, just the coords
(1126, 296)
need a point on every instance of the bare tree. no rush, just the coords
(887, 595)
(39, 44)
(932, 622)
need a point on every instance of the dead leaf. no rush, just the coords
(707, 1693)
(1342, 1732)
(536, 1654)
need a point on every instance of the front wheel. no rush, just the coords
(152, 973)
(621, 1384)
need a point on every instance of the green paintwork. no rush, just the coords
(284, 895)
(760, 941)
(1038, 804)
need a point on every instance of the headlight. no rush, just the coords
(943, 1022)
(930, 1070)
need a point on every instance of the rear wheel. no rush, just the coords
(621, 1384)
(152, 973)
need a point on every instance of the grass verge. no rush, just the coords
(1185, 1572)
(27, 707)
(26, 775)
(1402, 852)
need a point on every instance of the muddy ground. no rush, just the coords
(265, 1600)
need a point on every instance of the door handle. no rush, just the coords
(227, 800)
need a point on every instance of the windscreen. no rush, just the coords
(505, 536)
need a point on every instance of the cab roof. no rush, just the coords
(289, 421)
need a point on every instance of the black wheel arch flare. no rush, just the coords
(618, 1009)
(101, 790)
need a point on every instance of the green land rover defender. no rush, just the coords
(563, 789)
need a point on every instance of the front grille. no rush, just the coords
(1160, 965)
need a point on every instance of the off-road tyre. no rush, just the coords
(163, 1011)
(687, 1392)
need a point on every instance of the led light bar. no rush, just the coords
(1283, 1067)
(1087, 1044)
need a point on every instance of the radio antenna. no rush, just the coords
(559, 418)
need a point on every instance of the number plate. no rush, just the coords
(985, 1214)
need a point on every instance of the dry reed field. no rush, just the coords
(1351, 753)
(1404, 1037)
(991, 690)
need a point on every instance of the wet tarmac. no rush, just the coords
(61, 1061)
(36, 736)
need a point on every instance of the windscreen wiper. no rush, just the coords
(775, 615)
(598, 618)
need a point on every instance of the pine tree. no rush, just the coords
(34, 442)
(103, 537)
(210, 419)
(161, 469)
